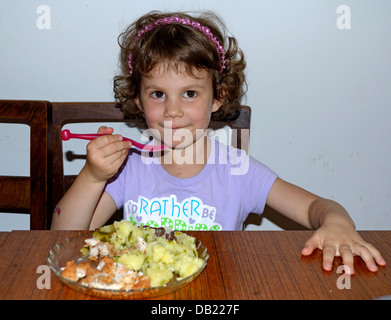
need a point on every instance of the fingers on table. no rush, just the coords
(329, 252)
(369, 254)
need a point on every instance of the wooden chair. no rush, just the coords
(80, 112)
(28, 194)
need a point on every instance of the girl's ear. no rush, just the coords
(217, 103)
(139, 103)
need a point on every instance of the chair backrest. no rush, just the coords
(28, 194)
(81, 112)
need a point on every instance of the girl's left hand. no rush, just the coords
(343, 242)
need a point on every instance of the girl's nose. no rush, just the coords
(173, 109)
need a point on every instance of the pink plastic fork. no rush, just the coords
(66, 135)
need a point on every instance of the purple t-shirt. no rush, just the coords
(229, 187)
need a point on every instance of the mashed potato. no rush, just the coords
(139, 249)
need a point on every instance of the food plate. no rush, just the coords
(69, 249)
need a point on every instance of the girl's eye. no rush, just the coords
(158, 94)
(190, 94)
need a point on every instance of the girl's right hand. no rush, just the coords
(105, 155)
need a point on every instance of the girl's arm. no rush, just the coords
(85, 205)
(336, 234)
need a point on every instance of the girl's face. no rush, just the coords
(177, 105)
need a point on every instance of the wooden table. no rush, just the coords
(242, 265)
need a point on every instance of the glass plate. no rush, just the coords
(69, 249)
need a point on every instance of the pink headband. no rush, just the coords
(175, 19)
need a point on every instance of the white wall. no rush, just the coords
(320, 95)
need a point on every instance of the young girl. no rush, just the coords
(178, 73)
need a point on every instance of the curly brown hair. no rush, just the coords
(180, 45)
